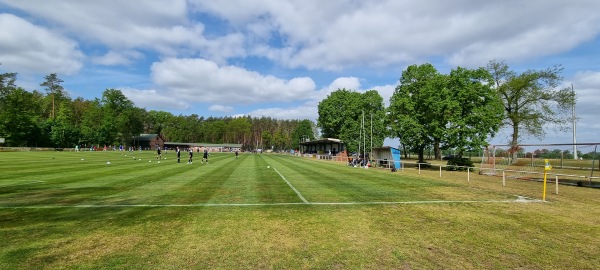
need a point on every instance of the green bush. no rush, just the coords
(458, 164)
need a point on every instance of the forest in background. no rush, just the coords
(53, 119)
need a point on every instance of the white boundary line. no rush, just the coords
(518, 200)
(293, 188)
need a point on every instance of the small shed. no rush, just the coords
(387, 156)
(149, 141)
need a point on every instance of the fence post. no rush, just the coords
(440, 171)
(419, 168)
(503, 178)
(556, 184)
(468, 175)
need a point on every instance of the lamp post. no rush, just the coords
(574, 125)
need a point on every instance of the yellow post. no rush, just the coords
(547, 167)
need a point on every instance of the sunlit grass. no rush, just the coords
(58, 211)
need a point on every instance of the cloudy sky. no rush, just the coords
(280, 58)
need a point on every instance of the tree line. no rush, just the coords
(53, 119)
(460, 110)
(428, 110)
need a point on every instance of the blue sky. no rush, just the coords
(280, 58)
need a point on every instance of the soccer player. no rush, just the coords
(236, 154)
(191, 155)
(158, 154)
(205, 157)
(178, 154)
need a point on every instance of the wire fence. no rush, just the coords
(564, 172)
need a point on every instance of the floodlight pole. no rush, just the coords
(574, 125)
(364, 135)
(371, 149)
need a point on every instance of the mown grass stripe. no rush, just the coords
(292, 187)
(338, 182)
(268, 204)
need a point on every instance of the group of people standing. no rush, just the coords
(190, 155)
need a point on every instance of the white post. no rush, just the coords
(503, 178)
(557, 185)
(419, 168)
(468, 175)
(440, 171)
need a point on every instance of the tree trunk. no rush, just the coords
(514, 144)
(52, 106)
(421, 151)
(436, 149)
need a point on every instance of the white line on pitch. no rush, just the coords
(293, 188)
(257, 204)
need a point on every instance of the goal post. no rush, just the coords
(529, 161)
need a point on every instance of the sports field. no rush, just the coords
(106, 210)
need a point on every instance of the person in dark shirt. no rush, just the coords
(191, 155)
(205, 157)
(178, 154)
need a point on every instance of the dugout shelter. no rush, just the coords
(322, 146)
(386, 157)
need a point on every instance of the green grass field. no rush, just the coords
(68, 210)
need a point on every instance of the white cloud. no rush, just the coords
(137, 24)
(587, 79)
(386, 92)
(587, 88)
(113, 58)
(191, 80)
(220, 108)
(300, 112)
(309, 110)
(329, 35)
(28, 48)
(204, 81)
(349, 83)
(154, 99)
(333, 35)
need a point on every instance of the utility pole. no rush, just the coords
(574, 125)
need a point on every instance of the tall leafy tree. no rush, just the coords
(18, 118)
(475, 109)
(157, 121)
(63, 132)
(93, 128)
(267, 139)
(417, 107)
(7, 86)
(79, 107)
(280, 140)
(7, 80)
(304, 129)
(132, 123)
(341, 116)
(121, 118)
(530, 99)
(215, 129)
(55, 91)
(239, 130)
(338, 111)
